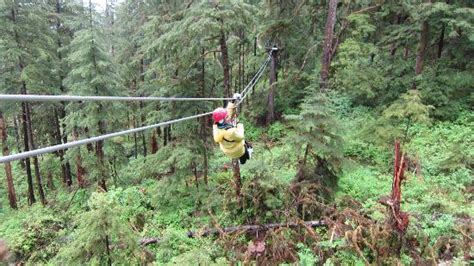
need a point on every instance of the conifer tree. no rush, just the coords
(26, 47)
(92, 73)
(319, 139)
(101, 237)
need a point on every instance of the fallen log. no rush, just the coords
(149, 240)
(252, 228)
(246, 228)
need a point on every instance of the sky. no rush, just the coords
(100, 4)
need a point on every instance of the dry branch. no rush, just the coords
(252, 228)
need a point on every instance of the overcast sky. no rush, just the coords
(101, 4)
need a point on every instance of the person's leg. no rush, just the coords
(244, 157)
(249, 149)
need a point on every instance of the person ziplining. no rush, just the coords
(229, 133)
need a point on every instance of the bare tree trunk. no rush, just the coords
(142, 116)
(271, 92)
(17, 138)
(80, 171)
(135, 137)
(66, 175)
(206, 164)
(225, 65)
(39, 182)
(99, 151)
(107, 246)
(441, 41)
(327, 47)
(204, 119)
(154, 143)
(8, 167)
(165, 135)
(61, 138)
(420, 56)
(49, 180)
(29, 176)
(237, 181)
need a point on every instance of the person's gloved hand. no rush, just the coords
(237, 96)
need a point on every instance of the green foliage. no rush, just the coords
(276, 131)
(101, 236)
(25, 231)
(410, 107)
(317, 131)
(306, 256)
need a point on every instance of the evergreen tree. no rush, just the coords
(101, 237)
(92, 73)
(26, 47)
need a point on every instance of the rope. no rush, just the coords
(23, 155)
(58, 147)
(71, 98)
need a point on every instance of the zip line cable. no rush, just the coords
(73, 98)
(58, 147)
(254, 80)
(23, 155)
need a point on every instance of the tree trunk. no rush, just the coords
(422, 44)
(225, 65)
(441, 41)
(29, 176)
(237, 181)
(154, 143)
(99, 151)
(420, 56)
(328, 40)
(270, 118)
(107, 247)
(24, 107)
(65, 171)
(204, 120)
(61, 113)
(165, 135)
(8, 167)
(397, 21)
(49, 180)
(227, 93)
(39, 182)
(441, 37)
(17, 138)
(206, 164)
(142, 116)
(135, 141)
(80, 171)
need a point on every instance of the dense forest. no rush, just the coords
(361, 124)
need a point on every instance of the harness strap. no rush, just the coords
(229, 140)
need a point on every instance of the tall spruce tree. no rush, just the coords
(26, 47)
(92, 73)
